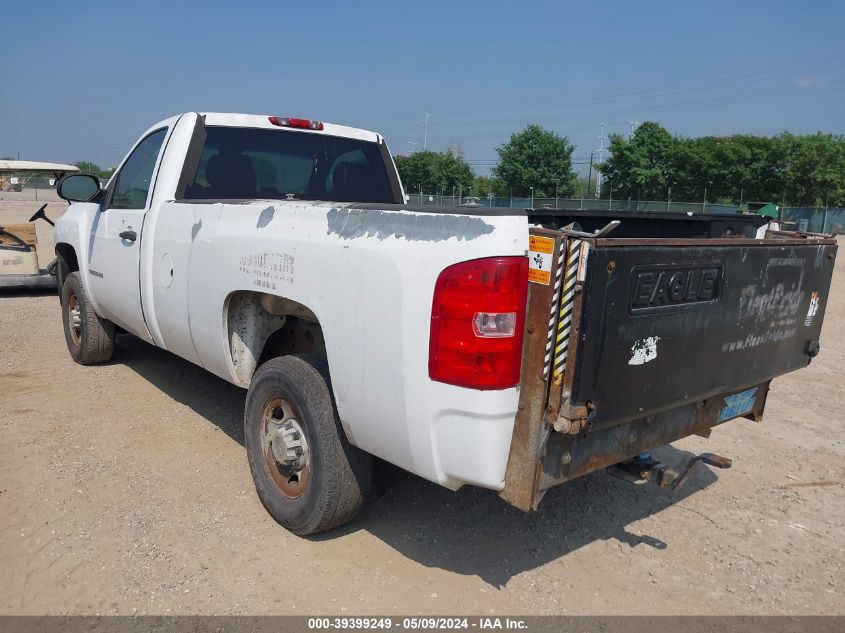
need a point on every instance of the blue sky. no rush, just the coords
(82, 80)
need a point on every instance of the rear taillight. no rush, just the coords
(477, 319)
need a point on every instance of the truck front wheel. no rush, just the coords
(307, 474)
(90, 339)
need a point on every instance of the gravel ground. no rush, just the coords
(124, 488)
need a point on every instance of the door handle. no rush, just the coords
(129, 236)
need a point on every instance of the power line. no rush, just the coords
(685, 84)
(589, 99)
(664, 106)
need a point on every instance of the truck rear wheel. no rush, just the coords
(307, 474)
(90, 339)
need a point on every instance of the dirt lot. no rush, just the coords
(124, 488)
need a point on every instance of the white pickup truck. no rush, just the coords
(511, 349)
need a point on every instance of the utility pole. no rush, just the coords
(824, 219)
(602, 138)
(632, 125)
(427, 115)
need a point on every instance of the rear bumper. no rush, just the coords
(562, 457)
(567, 457)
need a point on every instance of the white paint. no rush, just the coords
(372, 298)
(644, 351)
(770, 226)
(118, 260)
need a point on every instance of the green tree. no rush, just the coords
(806, 170)
(642, 167)
(87, 167)
(814, 169)
(435, 172)
(483, 186)
(585, 187)
(455, 173)
(732, 169)
(536, 158)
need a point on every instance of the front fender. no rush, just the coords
(76, 229)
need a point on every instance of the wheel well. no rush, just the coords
(67, 262)
(261, 326)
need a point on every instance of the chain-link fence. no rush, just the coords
(818, 220)
(585, 204)
(28, 188)
(815, 220)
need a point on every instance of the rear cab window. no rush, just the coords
(237, 163)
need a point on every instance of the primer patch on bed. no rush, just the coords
(426, 227)
(265, 218)
(644, 350)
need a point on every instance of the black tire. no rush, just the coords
(330, 489)
(90, 338)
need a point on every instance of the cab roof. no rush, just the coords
(229, 119)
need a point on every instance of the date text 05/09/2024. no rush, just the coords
(416, 623)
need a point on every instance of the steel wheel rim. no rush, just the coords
(280, 421)
(74, 320)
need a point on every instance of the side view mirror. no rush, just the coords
(78, 188)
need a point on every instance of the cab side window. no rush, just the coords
(135, 177)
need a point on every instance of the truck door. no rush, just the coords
(114, 253)
(178, 231)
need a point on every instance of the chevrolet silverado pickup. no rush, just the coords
(512, 349)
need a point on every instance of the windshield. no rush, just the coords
(245, 163)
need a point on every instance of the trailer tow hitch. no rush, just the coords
(641, 469)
